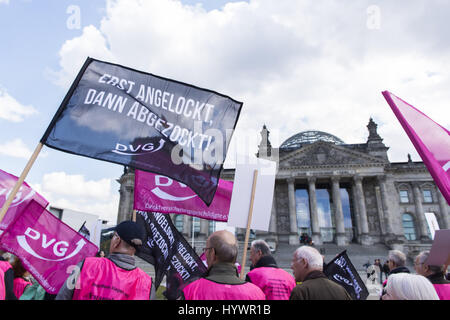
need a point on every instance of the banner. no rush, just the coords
(342, 271)
(169, 252)
(431, 140)
(117, 114)
(263, 197)
(84, 231)
(157, 193)
(21, 200)
(47, 247)
(432, 223)
(95, 232)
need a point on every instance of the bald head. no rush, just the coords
(225, 246)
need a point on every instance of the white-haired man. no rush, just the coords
(433, 273)
(275, 282)
(221, 281)
(397, 264)
(307, 264)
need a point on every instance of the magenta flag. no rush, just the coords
(21, 200)
(49, 249)
(431, 140)
(157, 193)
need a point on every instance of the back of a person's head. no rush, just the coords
(225, 246)
(311, 255)
(422, 258)
(398, 257)
(406, 286)
(18, 268)
(262, 246)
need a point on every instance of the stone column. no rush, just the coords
(204, 229)
(273, 221)
(315, 227)
(361, 203)
(384, 201)
(443, 206)
(356, 213)
(394, 236)
(187, 226)
(380, 211)
(293, 236)
(341, 238)
(422, 223)
(126, 196)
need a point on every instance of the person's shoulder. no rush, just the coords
(299, 292)
(195, 283)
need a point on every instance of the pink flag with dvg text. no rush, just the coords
(158, 193)
(49, 249)
(431, 140)
(21, 200)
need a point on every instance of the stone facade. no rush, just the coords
(381, 195)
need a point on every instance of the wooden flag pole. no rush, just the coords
(134, 216)
(249, 221)
(20, 181)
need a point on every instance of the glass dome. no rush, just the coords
(308, 137)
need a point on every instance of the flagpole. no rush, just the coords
(192, 240)
(134, 216)
(249, 221)
(20, 181)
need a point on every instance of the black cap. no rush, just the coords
(131, 232)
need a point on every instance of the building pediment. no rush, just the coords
(325, 154)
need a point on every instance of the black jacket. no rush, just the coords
(399, 270)
(438, 278)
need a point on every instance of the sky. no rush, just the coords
(296, 65)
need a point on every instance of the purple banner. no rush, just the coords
(49, 249)
(431, 140)
(157, 193)
(21, 200)
(147, 122)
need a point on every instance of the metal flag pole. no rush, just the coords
(249, 221)
(20, 181)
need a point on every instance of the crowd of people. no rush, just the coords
(116, 276)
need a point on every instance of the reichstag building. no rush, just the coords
(335, 193)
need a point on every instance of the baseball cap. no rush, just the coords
(131, 232)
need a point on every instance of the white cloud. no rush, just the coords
(4, 1)
(75, 51)
(11, 109)
(75, 185)
(296, 65)
(71, 191)
(15, 148)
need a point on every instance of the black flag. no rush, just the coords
(85, 231)
(342, 271)
(121, 115)
(169, 252)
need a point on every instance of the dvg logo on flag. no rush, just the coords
(446, 167)
(58, 248)
(21, 196)
(135, 150)
(159, 182)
